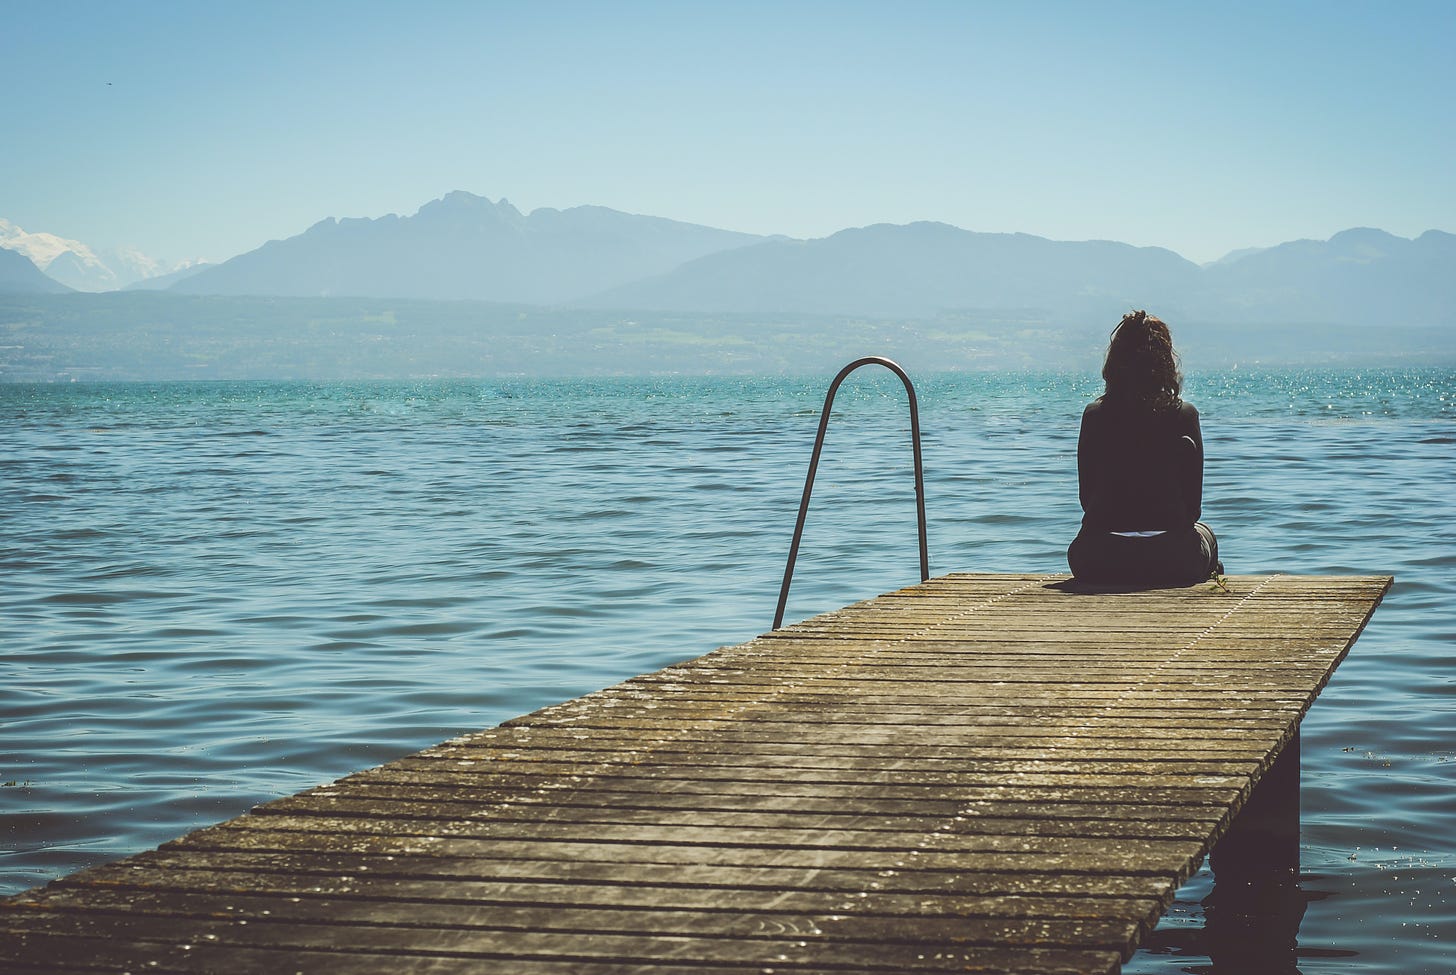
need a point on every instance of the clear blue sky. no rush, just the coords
(203, 129)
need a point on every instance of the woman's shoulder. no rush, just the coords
(1184, 412)
(1092, 415)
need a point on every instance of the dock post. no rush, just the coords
(1252, 917)
(1262, 843)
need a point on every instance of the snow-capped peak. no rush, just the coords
(77, 265)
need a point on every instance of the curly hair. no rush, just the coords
(1141, 368)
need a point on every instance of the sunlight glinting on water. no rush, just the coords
(216, 594)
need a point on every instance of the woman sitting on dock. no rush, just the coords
(1140, 470)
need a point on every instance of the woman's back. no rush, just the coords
(1140, 469)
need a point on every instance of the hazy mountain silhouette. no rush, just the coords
(1359, 276)
(916, 269)
(164, 281)
(78, 266)
(465, 246)
(19, 275)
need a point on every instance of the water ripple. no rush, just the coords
(221, 593)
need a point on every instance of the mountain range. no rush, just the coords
(19, 275)
(1359, 276)
(467, 247)
(81, 268)
(915, 270)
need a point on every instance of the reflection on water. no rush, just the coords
(1252, 915)
(1253, 932)
(215, 594)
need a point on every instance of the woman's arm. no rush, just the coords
(1192, 488)
(1087, 453)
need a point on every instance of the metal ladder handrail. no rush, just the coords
(814, 465)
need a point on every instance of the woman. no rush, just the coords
(1140, 470)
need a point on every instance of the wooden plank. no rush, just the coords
(981, 773)
(864, 882)
(346, 949)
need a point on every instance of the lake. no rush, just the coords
(215, 594)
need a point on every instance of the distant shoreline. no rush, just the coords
(141, 336)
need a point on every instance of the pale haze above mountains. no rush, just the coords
(466, 247)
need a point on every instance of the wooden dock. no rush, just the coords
(985, 773)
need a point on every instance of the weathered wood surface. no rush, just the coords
(986, 773)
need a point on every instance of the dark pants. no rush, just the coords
(1175, 558)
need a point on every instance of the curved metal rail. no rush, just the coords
(814, 466)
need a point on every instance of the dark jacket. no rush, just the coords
(1139, 470)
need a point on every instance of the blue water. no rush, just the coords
(216, 594)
